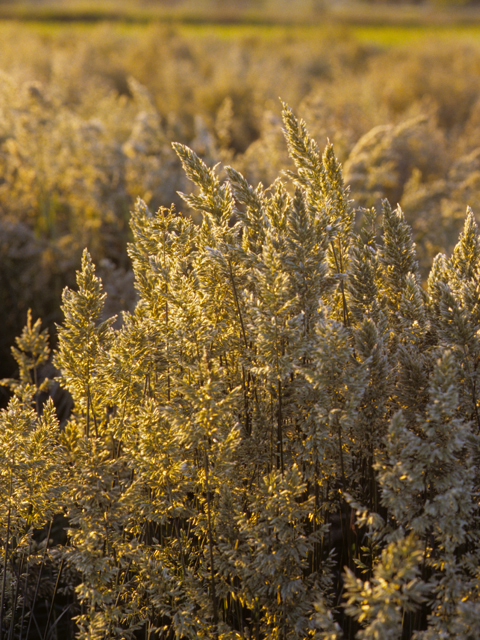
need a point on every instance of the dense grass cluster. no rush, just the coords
(281, 440)
(278, 438)
(87, 116)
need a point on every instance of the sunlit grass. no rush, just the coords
(390, 36)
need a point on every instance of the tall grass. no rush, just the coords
(279, 442)
(87, 113)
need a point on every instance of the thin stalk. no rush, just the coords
(316, 558)
(344, 526)
(35, 380)
(475, 407)
(210, 543)
(340, 450)
(279, 409)
(37, 586)
(248, 425)
(280, 425)
(125, 576)
(37, 627)
(15, 600)
(87, 425)
(57, 583)
(5, 557)
(177, 531)
(166, 321)
(239, 614)
(272, 430)
(25, 590)
(237, 304)
(244, 334)
(57, 620)
(122, 423)
(346, 320)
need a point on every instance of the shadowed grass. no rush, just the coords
(268, 12)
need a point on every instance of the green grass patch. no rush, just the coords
(389, 35)
(382, 35)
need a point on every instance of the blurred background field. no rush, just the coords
(296, 11)
(93, 94)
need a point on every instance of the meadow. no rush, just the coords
(89, 112)
(280, 441)
(278, 437)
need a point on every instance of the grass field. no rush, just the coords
(266, 350)
(89, 109)
(249, 11)
(385, 35)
